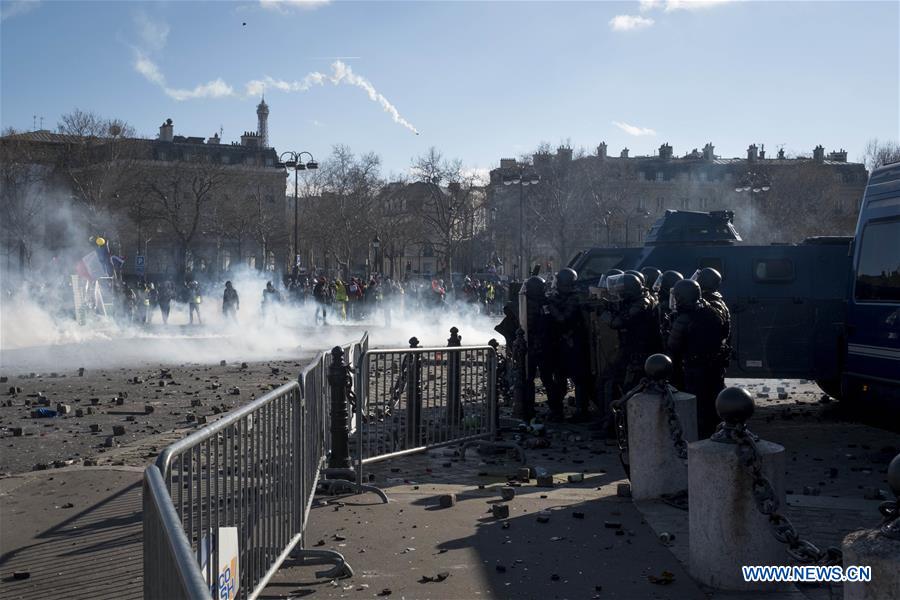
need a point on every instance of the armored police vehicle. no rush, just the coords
(826, 309)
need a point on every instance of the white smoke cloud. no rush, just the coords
(629, 22)
(634, 129)
(153, 34)
(216, 88)
(341, 74)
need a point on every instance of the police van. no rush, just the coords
(792, 317)
(870, 369)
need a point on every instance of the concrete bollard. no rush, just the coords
(726, 529)
(656, 468)
(877, 548)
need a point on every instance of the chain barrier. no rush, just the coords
(767, 502)
(890, 510)
(675, 430)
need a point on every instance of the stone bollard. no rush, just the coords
(877, 548)
(726, 529)
(656, 467)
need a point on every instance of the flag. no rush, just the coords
(90, 267)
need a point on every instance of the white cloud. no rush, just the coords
(634, 129)
(650, 4)
(629, 22)
(151, 72)
(16, 8)
(283, 6)
(154, 34)
(672, 5)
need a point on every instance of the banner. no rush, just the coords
(229, 576)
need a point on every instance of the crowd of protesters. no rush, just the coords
(333, 299)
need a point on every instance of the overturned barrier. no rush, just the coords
(224, 507)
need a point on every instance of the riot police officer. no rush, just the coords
(635, 322)
(696, 342)
(662, 287)
(542, 357)
(607, 351)
(651, 274)
(567, 330)
(709, 280)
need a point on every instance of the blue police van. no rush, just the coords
(871, 365)
(826, 309)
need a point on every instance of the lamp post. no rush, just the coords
(521, 179)
(754, 183)
(294, 162)
(376, 248)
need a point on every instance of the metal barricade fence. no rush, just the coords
(255, 469)
(414, 399)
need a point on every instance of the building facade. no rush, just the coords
(568, 202)
(172, 206)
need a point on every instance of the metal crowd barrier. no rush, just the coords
(256, 470)
(415, 399)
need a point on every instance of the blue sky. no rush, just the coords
(478, 80)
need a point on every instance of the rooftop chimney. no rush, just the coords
(751, 153)
(838, 156)
(564, 153)
(214, 140)
(507, 163)
(665, 151)
(624, 153)
(819, 154)
(762, 152)
(601, 150)
(709, 151)
(166, 131)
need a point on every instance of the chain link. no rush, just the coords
(767, 503)
(675, 430)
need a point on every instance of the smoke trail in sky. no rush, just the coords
(217, 88)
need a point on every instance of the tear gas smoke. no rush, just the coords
(37, 335)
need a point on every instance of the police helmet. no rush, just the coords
(637, 274)
(565, 279)
(535, 287)
(624, 287)
(709, 279)
(651, 274)
(685, 295)
(665, 281)
(603, 279)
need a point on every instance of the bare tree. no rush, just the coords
(878, 153)
(180, 197)
(22, 186)
(96, 158)
(453, 199)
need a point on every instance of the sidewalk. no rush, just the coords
(75, 531)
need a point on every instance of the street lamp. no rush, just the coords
(755, 183)
(295, 162)
(376, 247)
(521, 179)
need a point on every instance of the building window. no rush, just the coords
(878, 272)
(660, 202)
(226, 159)
(702, 175)
(642, 176)
(270, 198)
(773, 270)
(269, 162)
(685, 203)
(659, 175)
(162, 155)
